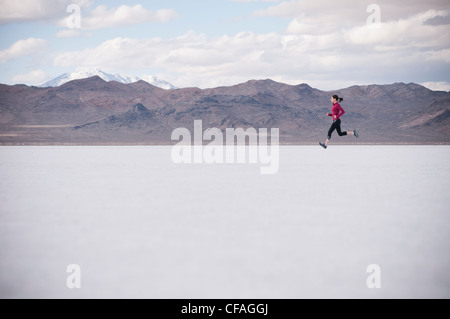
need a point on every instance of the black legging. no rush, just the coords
(336, 126)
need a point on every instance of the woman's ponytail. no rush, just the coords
(337, 98)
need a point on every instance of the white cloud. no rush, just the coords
(441, 55)
(341, 10)
(102, 17)
(256, 0)
(91, 18)
(192, 59)
(35, 10)
(22, 48)
(411, 32)
(437, 86)
(71, 33)
(350, 10)
(35, 77)
(326, 43)
(197, 60)
(284, 9)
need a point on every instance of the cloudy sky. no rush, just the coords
(329, 44)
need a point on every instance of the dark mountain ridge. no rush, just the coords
(94, 111)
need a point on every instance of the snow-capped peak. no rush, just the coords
(153, 80)
(126, 79)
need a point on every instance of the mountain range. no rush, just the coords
(94, 111)
(125, 79)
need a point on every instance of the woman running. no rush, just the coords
(336, 112)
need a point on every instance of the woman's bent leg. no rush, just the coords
(338, 128)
